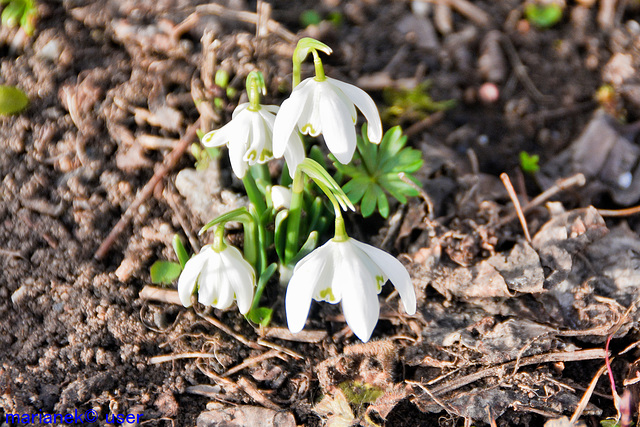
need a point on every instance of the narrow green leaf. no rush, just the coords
(369, 200)
(280, 237)
(309, 245)
(165, 272)
(383, 203)
(12, 99)
(179, 249)
(355, 188)
(241, 215)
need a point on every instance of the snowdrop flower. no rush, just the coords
(280, 197)
(249, 134)
(349, 271)
(219, 277)
(328, 106)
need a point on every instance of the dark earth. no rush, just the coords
(509, 330)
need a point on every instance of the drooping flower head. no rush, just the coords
(249, 134)
(322, 105)
(351, 272)
(220, 275)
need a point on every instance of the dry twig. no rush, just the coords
(245, 16)
(169, 163)
(516, 203)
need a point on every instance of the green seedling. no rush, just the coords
(12, 100)
(375, 172)
(529, 162)
(165, 272)
(543, 16)
(310, 17)
(411, 104)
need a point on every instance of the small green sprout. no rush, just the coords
(310, 17)
(529, 162)
(12, 100)
(359, 393)
(374, 172)
(165, 272)
(411, 104)
(543, 16)
(203, 155)
(20, 12)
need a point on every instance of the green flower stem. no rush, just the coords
(218, 239)
(320, 77)
(251, 243)
(341, 232)
(261, 172)
(295, 212)
(255, 87)
(262, 241)
(254, 194)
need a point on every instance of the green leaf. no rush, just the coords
(310, 17)
(241, 215)
(181, 252)
(12, 99)
(165, 272)
(356, 188)
(261, 316)
(543, 16)
(280, 237)
(309, 245)
(369, 201)
(383, 203)
(529, 162)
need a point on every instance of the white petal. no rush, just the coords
(271, 109)
(280, 197)
(239, 109)
(285, 122)
(210, 280)
(259, 138)
(237, 147)
(338, 131)
(395, 271)
(294, 153)
(365, 104)
(309, 122)
(189, 276)
(301, 289)
(221, 136)
(241, 277)
(359, 297)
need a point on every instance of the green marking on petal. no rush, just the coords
(327, 295)
(379, 282)
(308, 129)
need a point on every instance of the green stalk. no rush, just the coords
(317, 63)
(295, 212)
(255, 196)
(340, 232)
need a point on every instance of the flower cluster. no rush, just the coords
(343, 269)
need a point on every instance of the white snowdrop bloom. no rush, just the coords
(349, 271)
(280, 197)
(328, 107)
(249, 136)
(219, 278)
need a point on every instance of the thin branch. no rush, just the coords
(516, 203)
(501, 370)
(169, 163)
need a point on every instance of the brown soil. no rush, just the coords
(104, 76)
